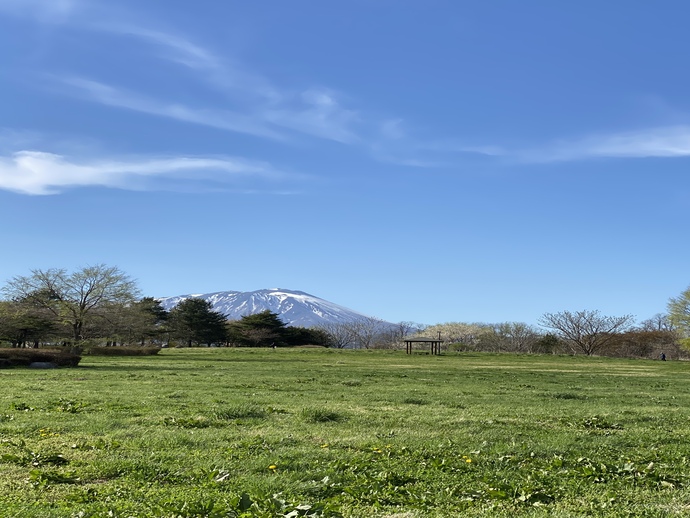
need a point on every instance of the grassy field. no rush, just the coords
(308, 432)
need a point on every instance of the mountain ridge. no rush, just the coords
(295, 308)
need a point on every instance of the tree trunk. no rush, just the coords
(77, 331)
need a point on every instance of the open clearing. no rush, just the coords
(309, 432)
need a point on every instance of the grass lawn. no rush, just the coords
(310, 432)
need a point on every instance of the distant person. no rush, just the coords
(662, 356)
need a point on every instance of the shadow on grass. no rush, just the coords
(192, 362)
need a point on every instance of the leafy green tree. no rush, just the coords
(149, 319)
(264, 329)
(74, 299)
(307, 336)
(679, 315)
(22, 324)
(194, 322)
(133, 323)
(548, 343)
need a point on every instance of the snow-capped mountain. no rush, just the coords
(295, 308)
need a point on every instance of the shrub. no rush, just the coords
(25, 357)
(122, 351)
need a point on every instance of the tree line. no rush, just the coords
(585, 332)
(102, 305)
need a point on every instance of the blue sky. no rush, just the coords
(426, 161)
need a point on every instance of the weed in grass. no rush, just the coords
(241, 411)
(600, 423)
(321, 415)
(69, 406)
(22, 407)
(187, 422)
(40, 479)
(96, 444)
(415, 401)
(565, 395)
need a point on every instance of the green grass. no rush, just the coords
(307, 432)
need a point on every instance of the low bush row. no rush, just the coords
(122, 351)
(25, 357)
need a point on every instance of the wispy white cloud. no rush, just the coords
(668, 142)
(51, 11)
(216, 118)
(221, 73)
(457, 146)
(178, 48)
(242, 100)
(396, 144)
(253, 104)
(392, 129)
(41, 173)
(659, 142)
(316, 112)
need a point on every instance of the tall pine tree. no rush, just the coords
(194, 322)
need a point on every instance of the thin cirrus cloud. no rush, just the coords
(317, 113)
(660, 142)
(178, 49)
(41, 173)
(248, 103)
(228, 120)
(45, 10)
(253, 104)
(257, 106)
(314, 114)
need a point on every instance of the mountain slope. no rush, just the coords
(295, 308)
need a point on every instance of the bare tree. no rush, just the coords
(659, 322)
(509, 337)
(367, 331)
(456, 333)
(74, 298)
(339, 333)
(642, 343)
(393, 335)
(585, 331)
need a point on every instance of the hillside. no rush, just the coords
(295, 308)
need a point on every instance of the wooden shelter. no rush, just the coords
(435, 344)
